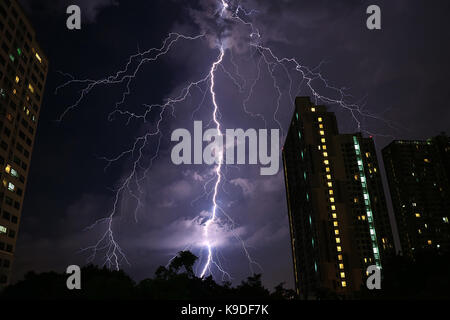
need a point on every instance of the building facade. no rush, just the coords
(418, 178)
(23, 71)
(336, 205)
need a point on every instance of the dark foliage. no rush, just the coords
(177, 282)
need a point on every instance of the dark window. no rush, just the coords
(14, 219)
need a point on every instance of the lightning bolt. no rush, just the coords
(143, 154)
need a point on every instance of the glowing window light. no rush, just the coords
(429, 242)
(367, 202)
(344, 284)
(342, 274)
(325, 154)
(17, 79)
(330, 184)
(341, 266)
(319, 119)
(313, 109)
(3, 229)
(327, 169)
(321, 126)
(323, 140)
(339, 248)
(340, 257)
(324, 147)
(417, 215)
(334, 216)
(38, 57)
(330, 192)
(326, 162)
(329, 176)
(30, 87)
(338, 240)
(336, 232)
(332, 199)
(335, 223)
(333, 207)
(322, 133)
(11, 187)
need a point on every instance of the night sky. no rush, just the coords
(399, 73)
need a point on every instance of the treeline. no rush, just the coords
(176, 282)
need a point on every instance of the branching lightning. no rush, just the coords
(131, 184)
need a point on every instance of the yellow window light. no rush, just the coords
(327, 169)
(326, 162)
(332, 200)
(324, 147)
(17, 79)
(338, 240)
(340, 257)
(323, 140)
(322, 133)
(334, 216)
(321, 126)
(329, 176)
(429, 242)
(335, 223)
(341, 266)
(339, 248)
(330, 192)
(8, 169)
(325, 154)
(30, 87)
(313, 109)
(344, 284)
(319, 119)
(38, 57)
(417, 215)
(336, 232)
(342, 274)
(333, 207)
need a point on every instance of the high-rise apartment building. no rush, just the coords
(337, 210)
(23, 71)
(419, 183)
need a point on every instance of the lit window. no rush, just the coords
(355, 200)
(332, 200)
(374, 169)
(321, 132)
(426, 160)
(14, 91)
(333, 207)
(339, 249)
(445, 219)
(417, 215)
(17, 79)
(313, 109)
(330, 192)
(8, 169)
(330, 184)
(319, 119)
(329, 176)
(38, 57)
(3, 229)
(324, 147)
(340, 257)
(325, 154)
(336, 232)
(344, 284)
(335, 223)
(30, 87)
(327, 169)
(419, 231)
(334, 216)
(321, 126)
(11, 187)
(338, 240)
(341, 266)
(365, 260)
(326, 162)
(342, 274)
(363, 217)
(323, 140)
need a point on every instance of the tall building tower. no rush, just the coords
(418, 177)
(337, 210)
(23, 71)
